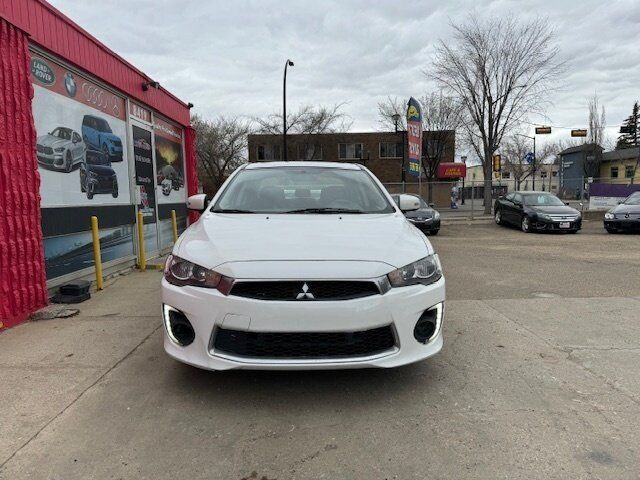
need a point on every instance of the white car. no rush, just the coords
(273, 276)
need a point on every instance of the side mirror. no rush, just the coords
(408, 203)
(197, 202)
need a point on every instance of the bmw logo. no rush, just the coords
(70, 84)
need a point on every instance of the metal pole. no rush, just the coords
(97, 256)
(534, 164)
(472, 198)
(142, 259)
(174, 225)
(284, 110)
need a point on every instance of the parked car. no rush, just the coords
(625, 216)
(97, 176)
(169, 179)
(536, 211)
(60, 149)
(426, 218)
(97, 134)
(267, 281)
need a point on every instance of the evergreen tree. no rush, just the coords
(630, 130)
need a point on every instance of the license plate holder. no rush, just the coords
(564, 224)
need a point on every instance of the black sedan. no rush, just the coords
(625, 216)
(425, 218)
(535, 211)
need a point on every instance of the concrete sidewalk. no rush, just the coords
(531, 383)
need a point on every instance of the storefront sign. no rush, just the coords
(139, 112)
(414, 136)
(452, 170)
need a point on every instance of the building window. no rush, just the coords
(629, 170)
(391, 149)
(309, 151)
(554, 173)
(614, 172)
(350, 151)
(269, 152)
(543, 174)
(506, 174)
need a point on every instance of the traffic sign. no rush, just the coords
(529, 158)
(579, 132)
(497, 163)
(543, 130)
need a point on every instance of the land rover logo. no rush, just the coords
(42, 72)
(305, 293)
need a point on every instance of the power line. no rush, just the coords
(565, 128)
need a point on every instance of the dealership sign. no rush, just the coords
(42, 72)
(452, 170)
(414, 136)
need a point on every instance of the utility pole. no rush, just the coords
(288, 63)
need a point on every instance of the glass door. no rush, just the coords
(143, 154)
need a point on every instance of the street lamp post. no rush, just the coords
(533, 163)
(288, 63)
(396, 118)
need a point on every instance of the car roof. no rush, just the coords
(533, 192)
(340, 165)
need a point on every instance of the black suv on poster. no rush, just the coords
(97, 176)
(536, 211)
(625, 217)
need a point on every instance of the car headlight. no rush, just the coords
(58, 149)
(92, 174)
(425, 271)
(543, 216)
(178, 271)
(609, 216)
(436, 215)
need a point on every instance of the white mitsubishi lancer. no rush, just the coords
(302, 265)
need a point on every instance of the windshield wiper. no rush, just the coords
(231, 210)
(324, 210)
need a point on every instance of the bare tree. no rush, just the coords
(597, 120)
(514, 152)
(307, 121)
(221, 146)
(501, 70)
(387, 109)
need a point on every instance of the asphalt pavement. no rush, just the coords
(538, 379)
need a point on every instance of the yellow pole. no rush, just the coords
(97, 256)
(142, 259)
(174, 224)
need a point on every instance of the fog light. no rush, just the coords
(429, 323)
(178, 326)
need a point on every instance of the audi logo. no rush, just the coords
(100, 99)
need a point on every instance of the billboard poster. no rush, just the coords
(169, 162)
(81, 138)
(142, 155)
(414, 137)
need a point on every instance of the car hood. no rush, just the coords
(622, 209)
(218, 239)
(103, 170)
(560, 209)
(51, 141)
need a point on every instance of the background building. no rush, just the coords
(82, 133)
(620, 166)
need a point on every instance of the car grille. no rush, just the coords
(45, 150)
(295, 290)
(303, 345)
(627, 216)
(563, 217)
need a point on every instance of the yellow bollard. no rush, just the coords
(142, 259)
(97, 256)
(174, 224)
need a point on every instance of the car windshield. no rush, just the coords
(633, 199)
(302, 190)
(103, 126)
(63, 133)
(542, 200)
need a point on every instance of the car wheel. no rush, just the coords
(89, 194)
(82, 189)
(434, 232)
(498, 217)
(68, 166)
(114, 192)
(611, 230)
(525, 225)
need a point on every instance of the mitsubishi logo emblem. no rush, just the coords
(305, 293)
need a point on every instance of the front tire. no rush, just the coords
(433, 232)
(525, 225)
(611, 230)
(68, 163)
(114, 192)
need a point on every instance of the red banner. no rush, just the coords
(452, 170)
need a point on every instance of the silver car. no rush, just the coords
(61, 149)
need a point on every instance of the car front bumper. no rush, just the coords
(426, 225)
(51, 160)
(207, 309)
(555, 226)
(626, 224)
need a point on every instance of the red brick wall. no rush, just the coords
(22, 276)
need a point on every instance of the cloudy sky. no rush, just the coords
(227, 57)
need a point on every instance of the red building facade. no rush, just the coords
(82, 133)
